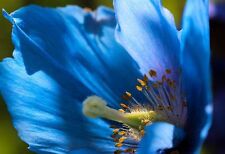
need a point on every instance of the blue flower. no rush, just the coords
(66, 56)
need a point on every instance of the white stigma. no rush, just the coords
(95, 106)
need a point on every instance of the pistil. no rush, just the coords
(95, 106)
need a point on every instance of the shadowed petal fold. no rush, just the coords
(76, 45)
(196, 72)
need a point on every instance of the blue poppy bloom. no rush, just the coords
(72, 87)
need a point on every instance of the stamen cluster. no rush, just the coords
(165, 102)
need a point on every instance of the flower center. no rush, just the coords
(95, 106)
(164, 102)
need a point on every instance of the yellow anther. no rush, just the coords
(122, 133)
(118, 145)
(121, 110)
(152, 73)
(127, 96)
(143, 83)
(115, 131)
(122, 139)
(124, 106)
(139, 88)
(145, 121)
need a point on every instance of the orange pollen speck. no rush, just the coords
(118, 145)
(124, 106)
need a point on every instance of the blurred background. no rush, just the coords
(11, 144)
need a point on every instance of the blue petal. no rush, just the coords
(79, 44)
(46, 116)
(196, 72)
(148, 32)
(59, 60)
(84, 151)
(160, 136)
